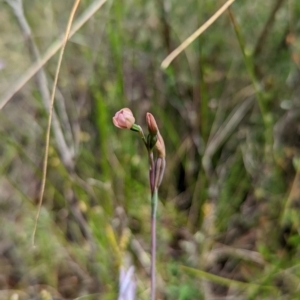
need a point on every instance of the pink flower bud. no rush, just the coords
(152, 126)
(160, 146)
(124, 119)
(160, 165)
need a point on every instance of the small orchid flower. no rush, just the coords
(157, 163)
(124, 119)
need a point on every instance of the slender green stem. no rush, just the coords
(153, 240)
(142, 135)
(139, 130)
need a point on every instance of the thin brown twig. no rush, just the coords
(76, 4)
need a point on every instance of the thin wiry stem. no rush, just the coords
(153, 221)
(142, 135)
(153, 241)
(76, 4)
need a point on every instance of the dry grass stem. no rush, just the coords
(51, 113)
(166, 62)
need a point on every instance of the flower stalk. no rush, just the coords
(155, 146)
(154, 200)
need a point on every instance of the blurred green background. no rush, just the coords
(228, 109)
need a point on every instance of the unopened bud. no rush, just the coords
(160, 146)
(152, 126)
(160, 165)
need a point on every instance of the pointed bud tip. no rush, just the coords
(151, 123)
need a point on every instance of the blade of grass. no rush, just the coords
(166, 62)
(226, 281)
(266, 117)
(76, 4)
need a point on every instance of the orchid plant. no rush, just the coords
(155, 146)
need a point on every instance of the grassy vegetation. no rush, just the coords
(228, 109)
